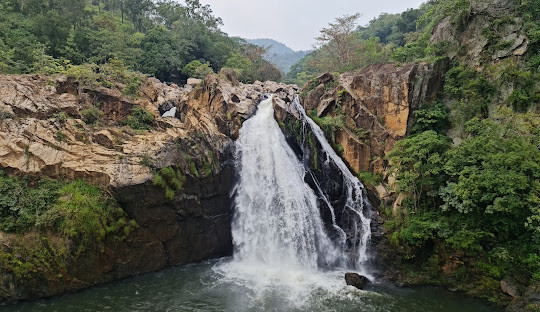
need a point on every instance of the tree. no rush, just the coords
(137, 11)
(339, 44)
(418, 162)
(494, 177)
(197, 69)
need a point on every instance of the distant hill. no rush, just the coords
(279, 54)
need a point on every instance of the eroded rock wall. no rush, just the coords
(376, 106)
(43, 133)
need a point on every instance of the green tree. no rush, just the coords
(196, 69)
(418, 162)
(338, 44)
(495, 178)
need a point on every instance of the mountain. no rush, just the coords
(279, 54)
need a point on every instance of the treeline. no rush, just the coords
(345, 47)
(406, 37)
(165, 39)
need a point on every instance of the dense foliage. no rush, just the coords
(56, 223)
(76, 209)
(158, 38)
(468, 174)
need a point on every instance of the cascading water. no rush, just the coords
(281, 243)
(286, 258)
(276, 215)
(355, 203)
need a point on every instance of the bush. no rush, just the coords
(61, 117)
(60, 136)
(132, 87)
(471, 91)
(432, 116)
(22, 205)
(370, 178)
(197, 69)
(139, 119)
(91, 115)
(75, 209)
(170, 180)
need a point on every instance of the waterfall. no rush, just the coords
(356, 203)
(276, 217)
(279, 237)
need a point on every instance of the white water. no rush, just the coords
(280, 241)
(355, 194)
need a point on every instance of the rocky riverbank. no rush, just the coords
(54, 127)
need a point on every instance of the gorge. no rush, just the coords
(150, 161)
(286, 257)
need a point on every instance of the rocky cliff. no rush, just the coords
(56, 127)
(366, 112)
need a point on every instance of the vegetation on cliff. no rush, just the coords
(164, 39)
(468, 171)
(52, 224)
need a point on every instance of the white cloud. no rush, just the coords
(295, 22)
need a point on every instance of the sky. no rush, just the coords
(296, 22)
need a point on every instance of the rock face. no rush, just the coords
(356, 280)
(377, 106)
(468, 42)
(530, 301)
(43, 133)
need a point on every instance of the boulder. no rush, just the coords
(194, 81)
(510, 287)
(356, 280)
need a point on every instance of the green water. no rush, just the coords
(202, 287)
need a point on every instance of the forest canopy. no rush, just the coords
(157, 38)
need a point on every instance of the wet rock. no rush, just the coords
(195, 226)
(510, 287)
(530, 301)
(356, 280)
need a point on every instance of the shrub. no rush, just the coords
(139, 119)
(61, 117)
(21, 205)
(432, 116)
(370, 178)
(91, 115)
(132, 87)
(60, 136)
(197, 69)
(170, 180)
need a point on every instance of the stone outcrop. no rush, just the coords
(43, 133)
(356, 280)
(466, 39)
(377, 105)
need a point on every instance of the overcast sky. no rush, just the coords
(296, 22)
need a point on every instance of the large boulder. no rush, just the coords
(356, 280)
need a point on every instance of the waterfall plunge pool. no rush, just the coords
(281, 247)
(203, 287)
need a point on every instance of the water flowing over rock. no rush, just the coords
(286, 228)
(276, 219)
(377, 106)
(45, 134)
